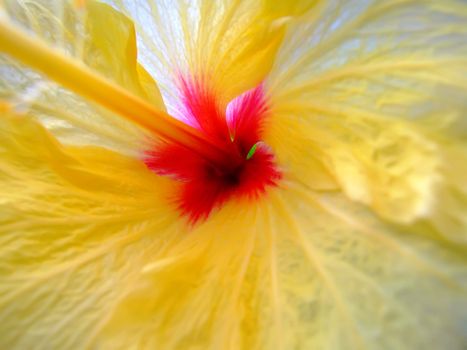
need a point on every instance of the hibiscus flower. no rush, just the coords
(233, 174)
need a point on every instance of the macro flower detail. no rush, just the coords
(245, 167)
(233, 174)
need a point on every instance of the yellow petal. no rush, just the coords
(109, 50)
(449, 214)
(76, 227)
(149, 86)
(296, 271)
(232, 44)
(93, 257)
(362, 93)
(280, 9)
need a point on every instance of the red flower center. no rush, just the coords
(247, 166)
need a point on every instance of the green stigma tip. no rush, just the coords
(252, 151)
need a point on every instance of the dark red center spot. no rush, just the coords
(246, 168)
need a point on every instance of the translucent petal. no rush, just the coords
(449, 215)
(109, 50)
(93, 257)
(368, 101)
(229, 44)
(298, 8)
(76, 227)
(297, 271)
(366, 87)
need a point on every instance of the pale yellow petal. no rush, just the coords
(109, 50)
(296, 271)
(229, 44)
(365, 87)
(95, 256)
(449, 215)
(280, 9)
(76, 227)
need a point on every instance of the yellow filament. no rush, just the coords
(77, 77)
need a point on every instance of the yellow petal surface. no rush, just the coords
(366, 89)
(93, 256)
(111, 50)
(76, 226)
(280, 9)
(231, 44)
(297, 271)
(108, 50)
(362, 245)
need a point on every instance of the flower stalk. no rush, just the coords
(79, 78)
